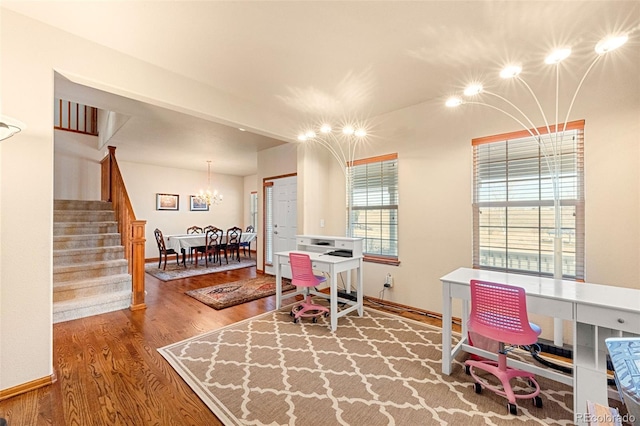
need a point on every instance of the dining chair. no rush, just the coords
(246, 245)
(499, 313)
(302, 276)
(193, 230)
(232, 245)
(211, 249)
(163, 250)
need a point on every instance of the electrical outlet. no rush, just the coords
(388, 281)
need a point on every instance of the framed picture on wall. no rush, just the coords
(167, 202)
(198, 204)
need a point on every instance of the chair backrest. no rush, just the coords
(160, 240)
(499, 312)
(302, 271)
(194, 230)
(250, 229)
(208, 228)
(213, 237)
(233, 235)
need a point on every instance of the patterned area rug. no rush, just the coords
(224, 295)
(376, 370)
(175, 272)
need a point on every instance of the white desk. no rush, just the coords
(333, 265)
(596, 312)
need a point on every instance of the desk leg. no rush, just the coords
(446, 328)
(278, 283)
(333, 299)
(359, 296)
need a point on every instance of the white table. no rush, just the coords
(596, 312)
(180, 243)
(333, 265)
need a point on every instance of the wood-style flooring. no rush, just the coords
(109, 371)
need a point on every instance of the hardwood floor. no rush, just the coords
(109, 371)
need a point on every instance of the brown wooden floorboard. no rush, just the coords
(109, 371)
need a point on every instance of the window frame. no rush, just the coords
(392, 204)
(515, 199)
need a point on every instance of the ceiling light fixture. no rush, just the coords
(9, 127)
(208, 196)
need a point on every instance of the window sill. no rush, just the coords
(382, 260)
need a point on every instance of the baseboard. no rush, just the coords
(27, 387)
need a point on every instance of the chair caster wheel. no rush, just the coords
(477, 387)
(513, 409)
(537, 402)
(326, 314)
(467, 370)
(295, 320)
(315, 320)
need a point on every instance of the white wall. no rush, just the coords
(30, 54)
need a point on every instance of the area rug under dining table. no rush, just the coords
(378, 369)
(176, 272)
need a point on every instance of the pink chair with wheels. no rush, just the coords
(302, 276)
(499, 312)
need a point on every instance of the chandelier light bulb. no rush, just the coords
(557, 56)
(610, 43)
(473, 89)
(348, 130)
(325, 128)
(302, 137)
(453, 102)
(361, 133)
(511, 71)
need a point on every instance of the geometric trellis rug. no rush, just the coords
(378, 369)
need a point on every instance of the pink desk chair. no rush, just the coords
(302, 276)
(499, 312)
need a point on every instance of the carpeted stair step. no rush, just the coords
(65, 242)
(92, 305)
(68, 290)
(89, 270)
(83, 216)
(80, 228)
(82, 205)
(86, 255)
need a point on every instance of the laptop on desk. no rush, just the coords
(341, 253)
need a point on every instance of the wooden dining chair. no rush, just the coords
(193, 230)
(211, 249)
(232, 245)
(163, 250)
(246, 245)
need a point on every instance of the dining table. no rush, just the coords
(182, 243)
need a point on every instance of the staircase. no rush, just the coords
(90, 272)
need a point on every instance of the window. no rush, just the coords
(268, 223)
(253, 210)
(513, 201)
(374, 214)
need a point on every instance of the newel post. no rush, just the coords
(137, 256)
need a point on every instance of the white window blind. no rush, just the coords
(513, 201)
(374, 214)
(253, 210)
(268, 231)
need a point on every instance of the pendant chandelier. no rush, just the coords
(208, 196)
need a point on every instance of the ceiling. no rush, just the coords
(305, 59)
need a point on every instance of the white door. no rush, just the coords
(285, 217)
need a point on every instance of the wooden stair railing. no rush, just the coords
(131, 230)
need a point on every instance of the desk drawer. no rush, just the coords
(609, 318)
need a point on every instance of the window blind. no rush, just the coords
(513, 201)
(374, 195)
